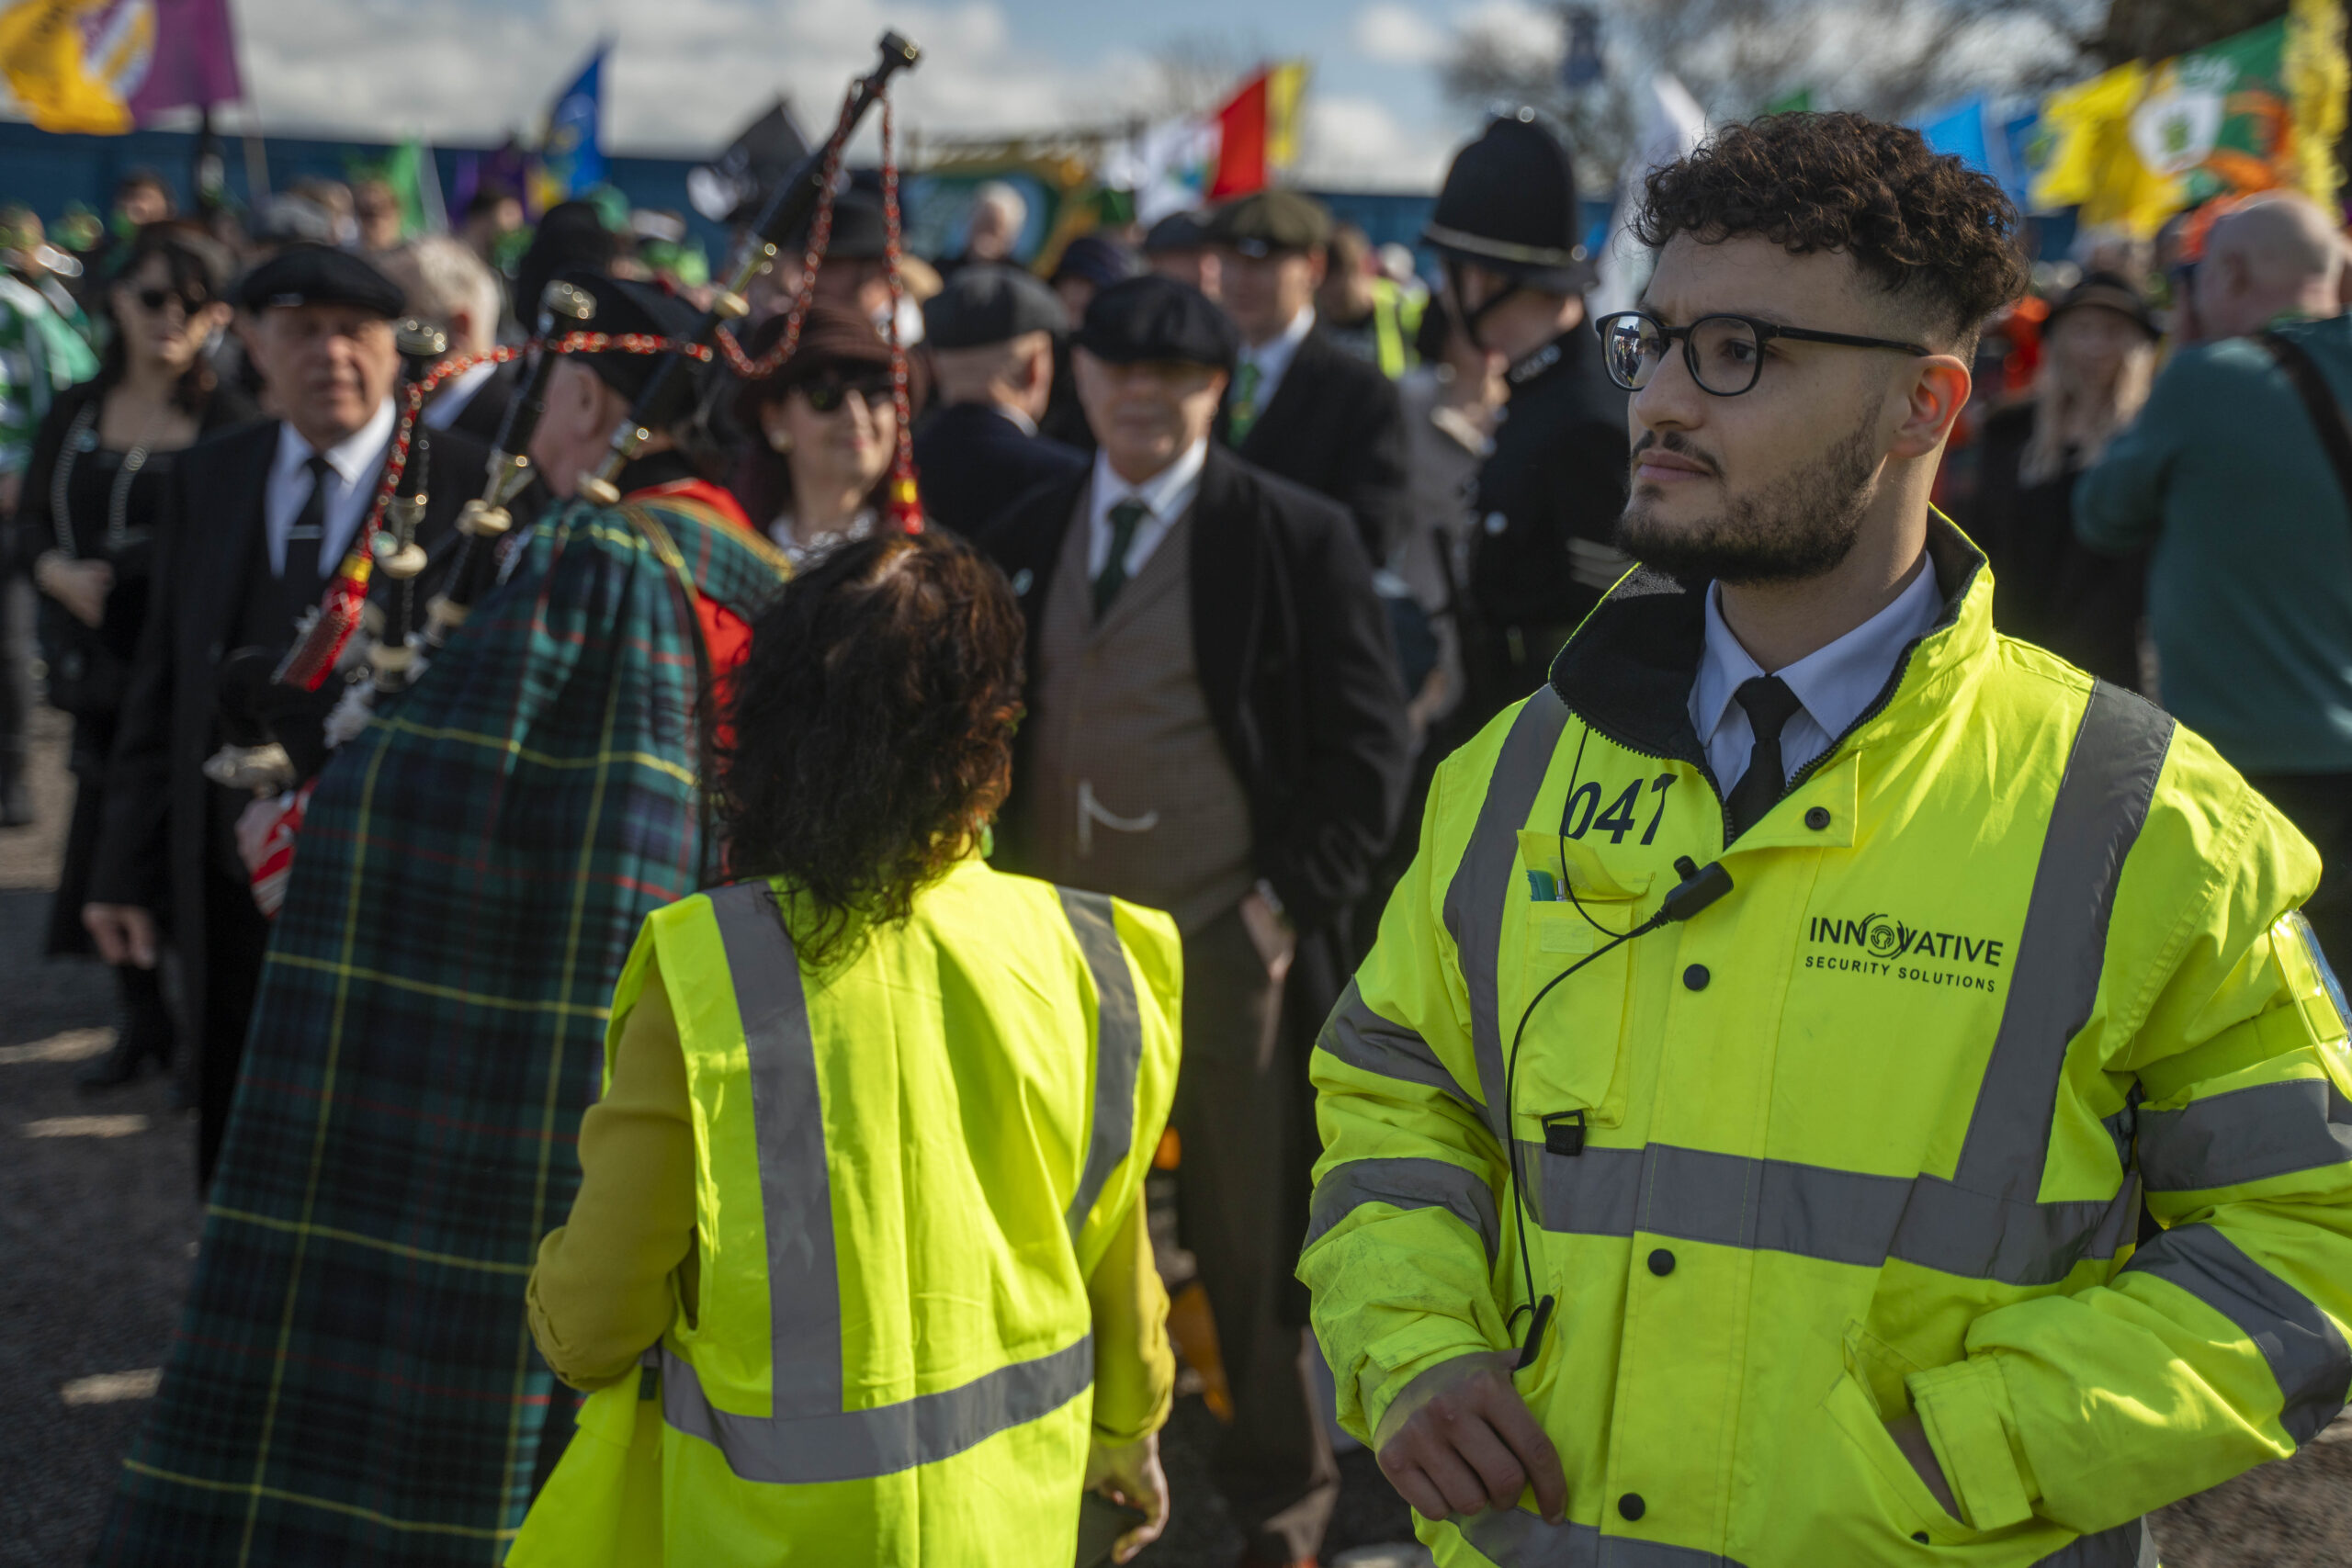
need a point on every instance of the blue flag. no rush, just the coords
(572, 156)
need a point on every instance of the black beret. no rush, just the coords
(624, 305)
(1157, 318)
(1270, 221)
(1099, 261)
(319, 274)
(984, 305)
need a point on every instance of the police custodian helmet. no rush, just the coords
(1510, 205)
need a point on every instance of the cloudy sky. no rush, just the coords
(684, 73)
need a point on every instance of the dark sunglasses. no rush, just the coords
(152, 300)
(828, 395)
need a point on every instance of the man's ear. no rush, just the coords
(1939, 387)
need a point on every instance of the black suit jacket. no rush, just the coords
(486, 410)
(1335, 426)
(1294, 660)
(973, 463)
(153, 844)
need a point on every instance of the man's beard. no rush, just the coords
(1799, 526)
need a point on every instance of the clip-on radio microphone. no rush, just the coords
(1700, 887)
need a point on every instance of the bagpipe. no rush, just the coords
(369, 644)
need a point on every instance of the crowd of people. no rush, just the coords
(636, 1072)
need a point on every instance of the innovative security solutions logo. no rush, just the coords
(1882, 945)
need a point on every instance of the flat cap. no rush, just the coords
(626, 306)
(984, 305)
(1153, 317)
(1177, 232)
(1097, 260)
(1269, 221)
(319, 274)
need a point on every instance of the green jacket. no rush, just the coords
(2250, 582)
(1869, 1134)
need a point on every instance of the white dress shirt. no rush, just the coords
(1273, 357)
(354, 465)
(451, 400)
(1834, 683)
(1168, 494)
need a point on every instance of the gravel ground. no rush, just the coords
(98, 1224)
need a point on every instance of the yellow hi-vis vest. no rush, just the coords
(907, 1167)
(1869, 1134)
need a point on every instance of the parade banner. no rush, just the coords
(2256, 111)
(102, 66)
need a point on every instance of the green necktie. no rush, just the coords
(1242, 411)
(1126, 518)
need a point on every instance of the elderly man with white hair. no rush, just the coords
(2239, 473)
(991, 232)
(449, 286)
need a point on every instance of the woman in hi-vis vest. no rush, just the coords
(858, 1267)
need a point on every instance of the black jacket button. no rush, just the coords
(1920, 1536)
(1630, 1505)
(1817, 818)
(1696, 977)
(1661, 1263)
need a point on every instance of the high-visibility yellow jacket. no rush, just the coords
(1868, 1133)
(907, 1167)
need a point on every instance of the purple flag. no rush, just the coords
(194, 59)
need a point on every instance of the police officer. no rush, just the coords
(1505, 225)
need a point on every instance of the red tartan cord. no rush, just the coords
(820, 236)
(906, 503)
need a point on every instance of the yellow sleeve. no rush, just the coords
(1134, 1370)
(601, 1292)
(2223, 1343)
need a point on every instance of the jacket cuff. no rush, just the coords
(1971, 1425)
(1384, 1376)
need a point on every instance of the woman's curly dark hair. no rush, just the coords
(873, 730)
(1917, 223)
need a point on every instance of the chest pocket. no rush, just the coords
(1574, 1056)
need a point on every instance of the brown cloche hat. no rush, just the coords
(833, 338)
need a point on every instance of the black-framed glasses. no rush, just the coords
(1724, 354)
(828, 395)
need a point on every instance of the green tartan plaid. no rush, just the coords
(353, 1382)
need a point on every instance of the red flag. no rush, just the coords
(1242, 155)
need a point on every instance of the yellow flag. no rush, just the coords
(41, 52)
(1286, 86)
(2317, 78)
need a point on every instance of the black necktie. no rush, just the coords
(1126, 518)
(1770, 705)
(308, 530)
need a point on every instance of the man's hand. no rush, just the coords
(1910, 1435)
(1270, 934)
(81, 586)
(125, 933)
(1460, 1440)
(1130, 1475)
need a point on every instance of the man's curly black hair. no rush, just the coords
(1922, 225)
(873, 731)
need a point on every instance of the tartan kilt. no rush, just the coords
(352, 1381)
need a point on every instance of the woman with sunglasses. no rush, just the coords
(823, 430)
(101, 462)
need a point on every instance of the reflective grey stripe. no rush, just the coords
(1407, 1184)
(788, 1124)
(1369, 1042)
(1513, 1537)
(2125, 1546)
(2306, 1352)
(809, 1438)
(2246, 1134)
(2102, 802)
(1118, 1047)
(856, 1445)
(1474, 899)
(1839, 1216)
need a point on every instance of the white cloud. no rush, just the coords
(1396, 34)
(1356, 144)
(683, 76)
(1519, 26)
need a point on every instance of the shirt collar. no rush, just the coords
(352, 459)
(1271, 355)
(1164, 493)
(1833, 683)
(1018, 418)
